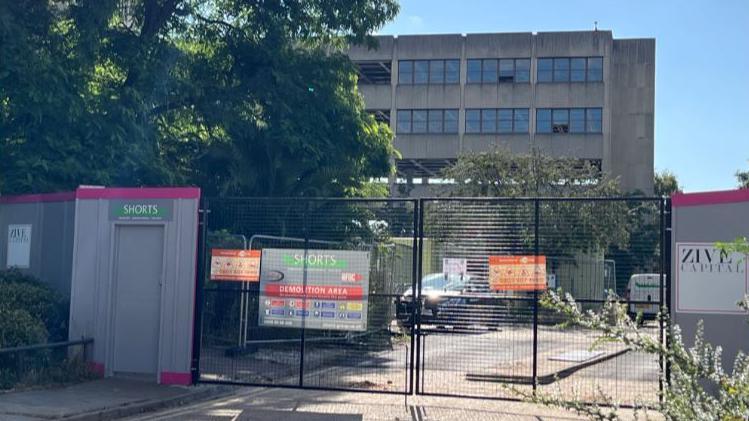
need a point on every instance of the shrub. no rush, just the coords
(25, 293)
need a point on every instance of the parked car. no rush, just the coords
(436, 290)
(643, 289)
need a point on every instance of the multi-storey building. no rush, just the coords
(582, 95)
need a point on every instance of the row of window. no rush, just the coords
(421, 72)
(566, 69)
(427, 121)
(501, 120)
(569, 120)
(492, 120)
(512, 70)
(502, 70)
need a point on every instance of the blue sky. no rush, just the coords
(702, 66)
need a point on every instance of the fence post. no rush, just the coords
(535, 296)
(415, 259)
(416, 297)
(667, 233)
(197, 329)
(305, 231)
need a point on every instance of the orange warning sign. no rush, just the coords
(235, 265)
(517, 273)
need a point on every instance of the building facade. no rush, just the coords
(582, 95)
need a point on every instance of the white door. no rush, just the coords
(139, 252)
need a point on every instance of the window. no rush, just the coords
(520, 120)
(594, 120)
(569, 120)
(419, 121)
(543, 120)
(422, 72)
(561, 70)
(473, 121)
(577, 70)
(595, 69)
(497, 120)
(489, 71)
(403, 124)
(489, 120)
(451, 121)
(435, 121)
(570, 69)
(405, 72)
(506, 70)
(473, 73)
(577, 120)
(505, 121)
(452, 71)
(522, 70)
(545, 66)
(437, 71)
(427, 121)
(560, 120)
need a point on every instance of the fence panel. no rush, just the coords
(482, 333)
(322, 313)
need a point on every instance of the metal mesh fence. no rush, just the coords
(476, 338)
(417, 305)
(301, 331)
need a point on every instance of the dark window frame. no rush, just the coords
(560, 131)
(411, 81)
(497, 111)
(587, 71)
(498, 79)
(428, 111)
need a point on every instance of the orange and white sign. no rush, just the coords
(235, 265)
(517, 273)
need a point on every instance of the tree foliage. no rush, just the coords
(235, 96)
(666, 183)
(743, 179)
(499, 173)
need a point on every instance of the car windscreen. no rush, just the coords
(438, 281)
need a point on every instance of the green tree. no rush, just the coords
(235, 96)
(666, 183)
(743, 179)
(499, 173)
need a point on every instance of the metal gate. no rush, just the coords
(430, 317)
(319, 316)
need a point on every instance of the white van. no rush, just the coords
(644, 288)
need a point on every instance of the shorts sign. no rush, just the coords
(709, 280)
(235, 265)
(517, 273)
(141, 210)
(317, 289)
(19, 246)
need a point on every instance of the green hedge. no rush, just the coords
(30, 311)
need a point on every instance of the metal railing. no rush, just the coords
(55, 362)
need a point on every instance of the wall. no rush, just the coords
(51, 220)
(707, 218)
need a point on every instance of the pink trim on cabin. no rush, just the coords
(138, 193)
(183, 379)
(107, 193)
(710, 198)
(96, 368)
(36, 198)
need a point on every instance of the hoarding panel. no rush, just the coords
(333, 296)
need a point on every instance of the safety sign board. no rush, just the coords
(517, 273)
(235, 265)
(317, 289)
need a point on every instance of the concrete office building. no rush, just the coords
(582, 95)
